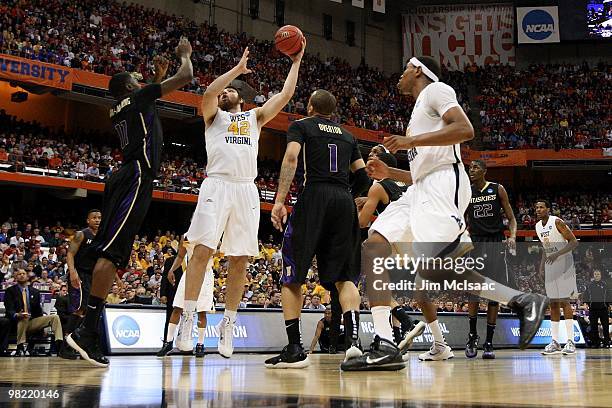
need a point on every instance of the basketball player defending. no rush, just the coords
(432, 213)
(228, 203)
(204, 304)
(128, 192)
(559, 272)
(487, 231)
(323, 222)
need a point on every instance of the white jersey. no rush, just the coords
(552, 240)
(431, 104)
(560, 276)
(232, 142)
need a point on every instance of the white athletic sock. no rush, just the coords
(436, 331)
(201, 331)
(231, 314)
(171, 331)
(555, 330)
(380, 317)
(190, 306)
(569, 328)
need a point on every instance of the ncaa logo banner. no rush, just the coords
(537, 24)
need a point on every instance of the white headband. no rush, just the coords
(414, 61)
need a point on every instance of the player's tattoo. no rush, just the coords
(284, 181)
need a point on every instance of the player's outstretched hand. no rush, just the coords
(183, 49)
(377, 169)
(242, 64)
(395, 143)
(279, 216)
(298, 57)
(160, 64)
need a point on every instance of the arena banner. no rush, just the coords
(140, 330)
(24, 70)
(537, 24)
(460, 35)
(496, 158)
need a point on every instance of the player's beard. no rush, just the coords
(228, 104)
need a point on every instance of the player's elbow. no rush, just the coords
(467, 131)
(363, 222)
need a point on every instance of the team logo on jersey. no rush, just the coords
(412, 153)
(89, 241)
(490, 190)
(458, 220)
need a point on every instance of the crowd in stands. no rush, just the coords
(576, 208)
(558, 106)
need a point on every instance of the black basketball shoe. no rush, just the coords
(471, 348)
(292, 356)
(487, 351)
(530, 308)
(383, 356)
(199, 350)
(166, 349)
(87, 345)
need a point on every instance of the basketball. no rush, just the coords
(288, 40)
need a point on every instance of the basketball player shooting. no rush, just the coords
(432, 214)
(559, 272)
(127, 192)
(228, 203)
(324, 222)
(486, 226)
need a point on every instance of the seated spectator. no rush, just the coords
(315, 303)
(23, 305)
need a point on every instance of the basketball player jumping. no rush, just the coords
(487, 231)
(559, 272)
(432, 214)
(204, 304)
(323, 222)
(128, 192)
(228, 203)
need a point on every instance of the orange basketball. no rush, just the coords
(288, 40)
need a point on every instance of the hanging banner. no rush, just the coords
(35, 72)
(378, 5)
(358, 3)
(461, 35)
(537, 24)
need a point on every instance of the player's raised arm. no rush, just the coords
(275, 104)
(184, 75)
(210, 100)
(290, 162)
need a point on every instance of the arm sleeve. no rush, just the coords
(295, 133)
(442, 98)
(148, 94)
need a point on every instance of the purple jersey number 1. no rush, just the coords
(333, 158)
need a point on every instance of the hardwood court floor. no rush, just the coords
(514, 378)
